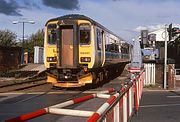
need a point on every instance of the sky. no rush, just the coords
(123, 17)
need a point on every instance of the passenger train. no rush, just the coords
(80, 51)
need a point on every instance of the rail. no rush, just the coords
(21, 84)
(120, 104)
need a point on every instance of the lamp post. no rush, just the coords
(23, 22)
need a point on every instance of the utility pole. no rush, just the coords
(165, 57)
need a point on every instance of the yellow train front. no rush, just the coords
(80, 51)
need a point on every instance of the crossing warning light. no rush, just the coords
(172, 31)
(169, 29)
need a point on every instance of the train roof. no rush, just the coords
(71, 16)
(75, 17)
(82, 17)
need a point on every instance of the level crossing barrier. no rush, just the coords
(125, 104)
(51, 109)
(119, 107)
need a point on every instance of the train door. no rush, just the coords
(66, 45)
(103, 48)
(100, 46)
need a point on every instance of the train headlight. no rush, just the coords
(51, 59)
(85, 59)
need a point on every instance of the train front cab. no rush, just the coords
(74, 53)
(50, 50)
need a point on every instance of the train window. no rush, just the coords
(108, 47)
(84, 32)
(116, 48)
(107, 43)
(52, 34)
(112, 48)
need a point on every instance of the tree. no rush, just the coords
(36, 39)
(7, 38)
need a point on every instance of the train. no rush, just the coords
(79, 51)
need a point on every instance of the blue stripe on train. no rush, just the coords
(114, 55)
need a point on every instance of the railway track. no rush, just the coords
(63, 93)
(40, 84)
(21, 84)
(29, 86)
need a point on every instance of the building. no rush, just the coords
(10, 57)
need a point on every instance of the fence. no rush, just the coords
(149, 74)
(118, 108)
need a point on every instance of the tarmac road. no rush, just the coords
(159, 106)
(13, 104)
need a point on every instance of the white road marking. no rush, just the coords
(52, 92)
(173, 96)
(8, 96)
(160, 90)
(162, 105)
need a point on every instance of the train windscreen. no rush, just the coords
(84, 31)
(52, 38)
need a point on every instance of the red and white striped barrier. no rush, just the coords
(122, 106)
(118, 108)
(103, 108)
(28, 116)
(56, 107)
(134, 70)
(138, 89)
